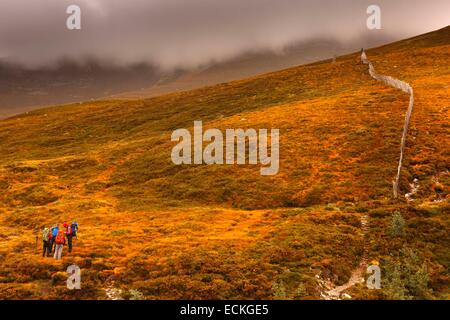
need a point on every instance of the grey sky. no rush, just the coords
(185, 33)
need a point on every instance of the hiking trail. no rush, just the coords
(329, 290)
(112, 293)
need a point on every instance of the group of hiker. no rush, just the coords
(54, 239)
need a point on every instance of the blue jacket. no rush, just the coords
(55, 231)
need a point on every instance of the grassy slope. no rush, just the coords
(148, 224)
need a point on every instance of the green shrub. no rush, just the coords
(406, 277)
(394, 286)
(397, 226)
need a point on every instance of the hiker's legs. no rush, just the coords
(69, 242)
(58, 251)
(50, 246)
(44, 248)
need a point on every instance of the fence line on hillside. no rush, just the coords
(405, 87)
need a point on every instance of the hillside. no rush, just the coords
(226, 231)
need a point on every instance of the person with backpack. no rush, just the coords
(54, 230)
(60, 241)
(74, 226)
(46, 244)
(70, 233)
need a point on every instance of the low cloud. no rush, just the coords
(188, 33)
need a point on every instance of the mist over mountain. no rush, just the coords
(145, 48)
(67, 80)
(186, 34)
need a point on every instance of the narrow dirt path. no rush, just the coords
(338, 293)
(111, 291)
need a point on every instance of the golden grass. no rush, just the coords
(225, 231)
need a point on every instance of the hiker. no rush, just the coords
(73, 233)
(69, 234)
(54, 231)
(74, 227)
(46, 243)
(60, 241)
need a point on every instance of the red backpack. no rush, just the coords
(60, 237)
